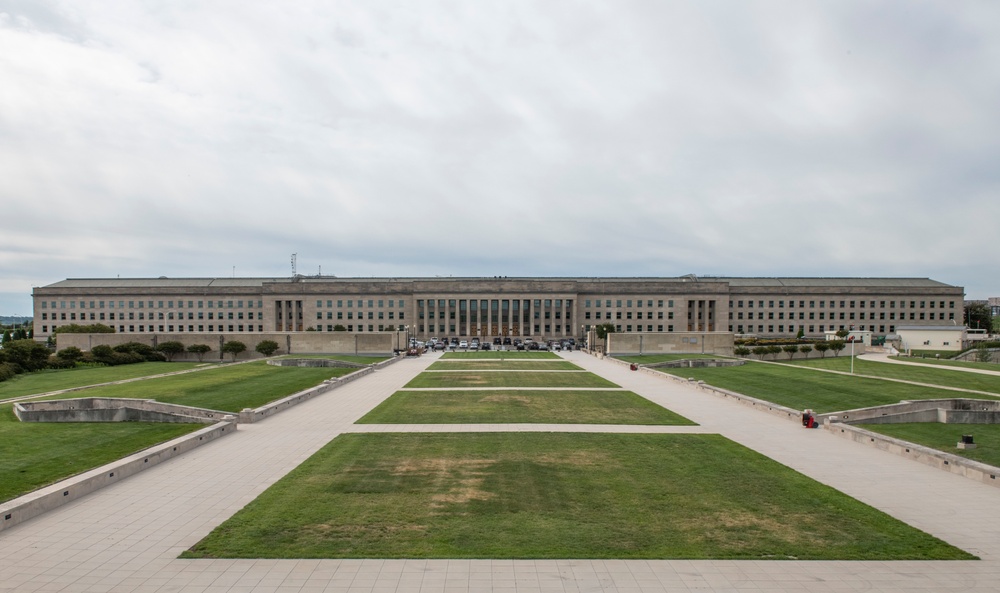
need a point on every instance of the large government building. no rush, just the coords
(541, 308)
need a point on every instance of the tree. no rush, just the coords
(978, 316)
(760, 351)
(741, 351)
(70, 354)
(339, 328)
(842, 333)
(6, 336)
(774, 351)
(837, 346)
(805, 349)
(267, 347)
(801, 333)
(170, 349)
(234, 348)
(790, 350)
(74, 328)
(29, 355)
(604, 329)
(199, 350)
(822, 347)
(983, 354)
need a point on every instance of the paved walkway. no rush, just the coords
(126, 538)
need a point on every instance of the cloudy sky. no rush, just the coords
(556, 138)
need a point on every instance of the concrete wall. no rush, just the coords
(949, 411)
(40, 501)
(955, 464)
(670, 343)
(930, 338)
(106, 409)
(364, 344)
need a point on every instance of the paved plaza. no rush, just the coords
(126, 538)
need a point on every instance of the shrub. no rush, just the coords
(199, 350)
(170, 349)
(267, 347)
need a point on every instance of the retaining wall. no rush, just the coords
(108, 409)
(45, 499)
(955, 464)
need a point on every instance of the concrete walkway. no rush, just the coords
(126, 538)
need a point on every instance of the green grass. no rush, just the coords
(654, 358)
(229, 388)
(501, 379)
(962, 364)
(555, 407)
(501, 354)
(799, 388)
(54, 380)
(545, 495)
(36, 454)
(944, 437)
(942, 377)
(506, 365)
(343, 357)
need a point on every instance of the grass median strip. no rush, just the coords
(36, 454)
(55, 380)
(798, 388)
(229, 388)
(501, 354)
(503, 365)
(909, 372)
(520, 406)
(544, 495)
(944, 437)
(522, 379)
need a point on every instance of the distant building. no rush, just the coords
(926, 337)
(542, 308)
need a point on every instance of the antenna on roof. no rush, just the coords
(294, 271)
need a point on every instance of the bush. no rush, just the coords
(7, 370)
(267, 347)
(73, 328)
(69, 354)
(199, 350)
(27, 354)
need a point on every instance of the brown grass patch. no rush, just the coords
(504, 398)
(462, 478)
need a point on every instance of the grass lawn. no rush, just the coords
(943, 376)
(555, 407)
(962, 364)
(798, 388)
(54, 380)
(501, 354)
(943, 437)
(501, 379)
(653, 358)
(343, 357)
(36, 454)
(506, 365)
(546, 495)
(229, 388)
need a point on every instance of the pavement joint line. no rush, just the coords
(177, 503)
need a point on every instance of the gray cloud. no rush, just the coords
(392, 138)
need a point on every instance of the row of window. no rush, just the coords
(844, 305)
(371, 314)
(149, 304)
(851, 315)
(142, 315)
(628, 315)
(400, 303)
(628, 303)
(749, 329)
(179, 328)
(361, 328)
(494, 304)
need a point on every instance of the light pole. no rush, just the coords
(852, 357)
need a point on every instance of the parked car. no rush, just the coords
(485, 346)
(497, 341)
(439, 346)
(506, 342)
(463, 344)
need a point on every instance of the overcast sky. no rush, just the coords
(555, 138)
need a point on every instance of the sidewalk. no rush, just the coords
(126, 538)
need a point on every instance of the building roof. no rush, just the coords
(736, 282)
